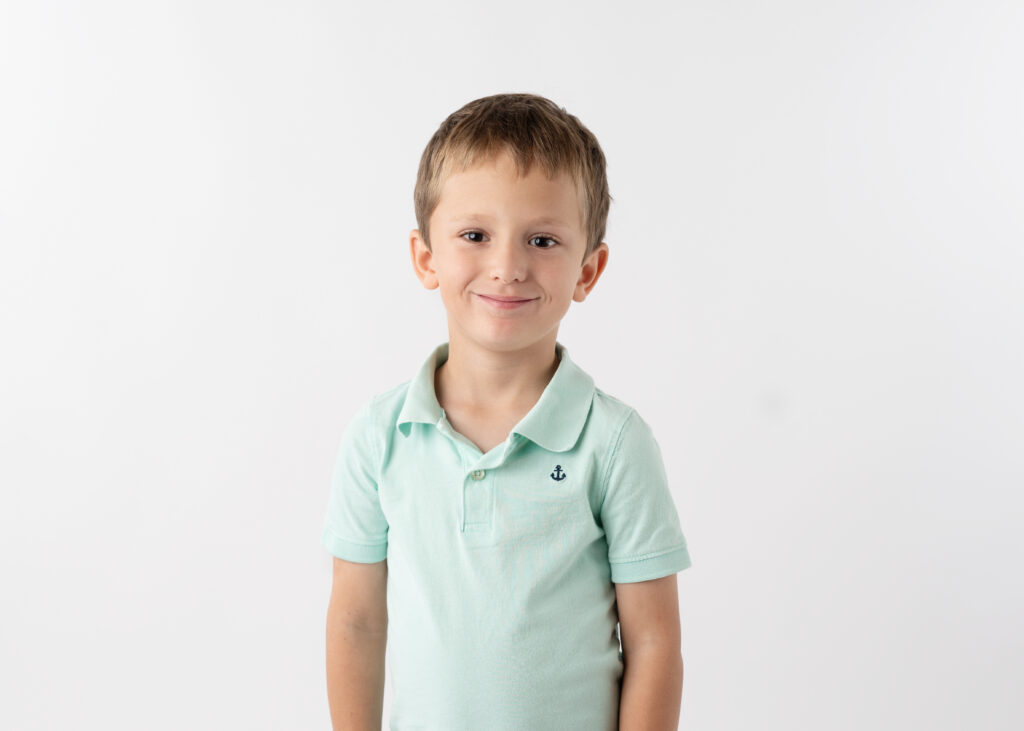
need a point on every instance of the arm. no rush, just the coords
(357, 631)
(652, 682)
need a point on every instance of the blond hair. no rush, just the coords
(532, 129)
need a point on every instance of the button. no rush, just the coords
(478, 474)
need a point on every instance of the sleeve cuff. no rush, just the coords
(651, 567)
(349, 551)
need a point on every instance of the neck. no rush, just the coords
(481, 379)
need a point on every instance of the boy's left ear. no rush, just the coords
(591, 271)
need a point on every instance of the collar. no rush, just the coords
(554, 422)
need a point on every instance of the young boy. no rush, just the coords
(499, 509)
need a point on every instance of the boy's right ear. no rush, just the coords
(422, 260)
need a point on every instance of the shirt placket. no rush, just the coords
(478, 472)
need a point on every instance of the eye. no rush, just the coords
(468, 236)
(551, 241)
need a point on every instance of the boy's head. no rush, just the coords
(531, 129)
(511, 202)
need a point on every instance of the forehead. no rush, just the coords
(494, 187)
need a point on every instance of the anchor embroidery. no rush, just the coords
(558, 475)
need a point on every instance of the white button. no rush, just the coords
(478, 474)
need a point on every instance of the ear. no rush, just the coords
(590, 272)
(422, 260)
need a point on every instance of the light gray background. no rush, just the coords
(814, 296)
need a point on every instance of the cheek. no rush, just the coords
(455, 281)
(562, 282)
(449, 270)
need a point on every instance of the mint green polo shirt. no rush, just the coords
(501, 566)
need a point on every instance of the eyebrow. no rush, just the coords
(546, 220)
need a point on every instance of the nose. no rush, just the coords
(507, 260)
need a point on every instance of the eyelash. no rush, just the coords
(537, 236)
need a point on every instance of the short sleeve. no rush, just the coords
(355, 528)
(645, 540)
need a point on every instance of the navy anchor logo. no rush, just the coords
(558, 475)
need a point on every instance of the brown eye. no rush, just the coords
(472, 233)
(545, 238)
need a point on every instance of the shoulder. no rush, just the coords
(615, 417)
(630, 447)
(386, 405)
(367, 428)
(381, 409)
(608, 417)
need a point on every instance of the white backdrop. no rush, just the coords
(816, 250)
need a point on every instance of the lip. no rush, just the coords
(506, 298)
(504, 303)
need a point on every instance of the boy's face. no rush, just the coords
(493, 233)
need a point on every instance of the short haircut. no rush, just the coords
(533, 129)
